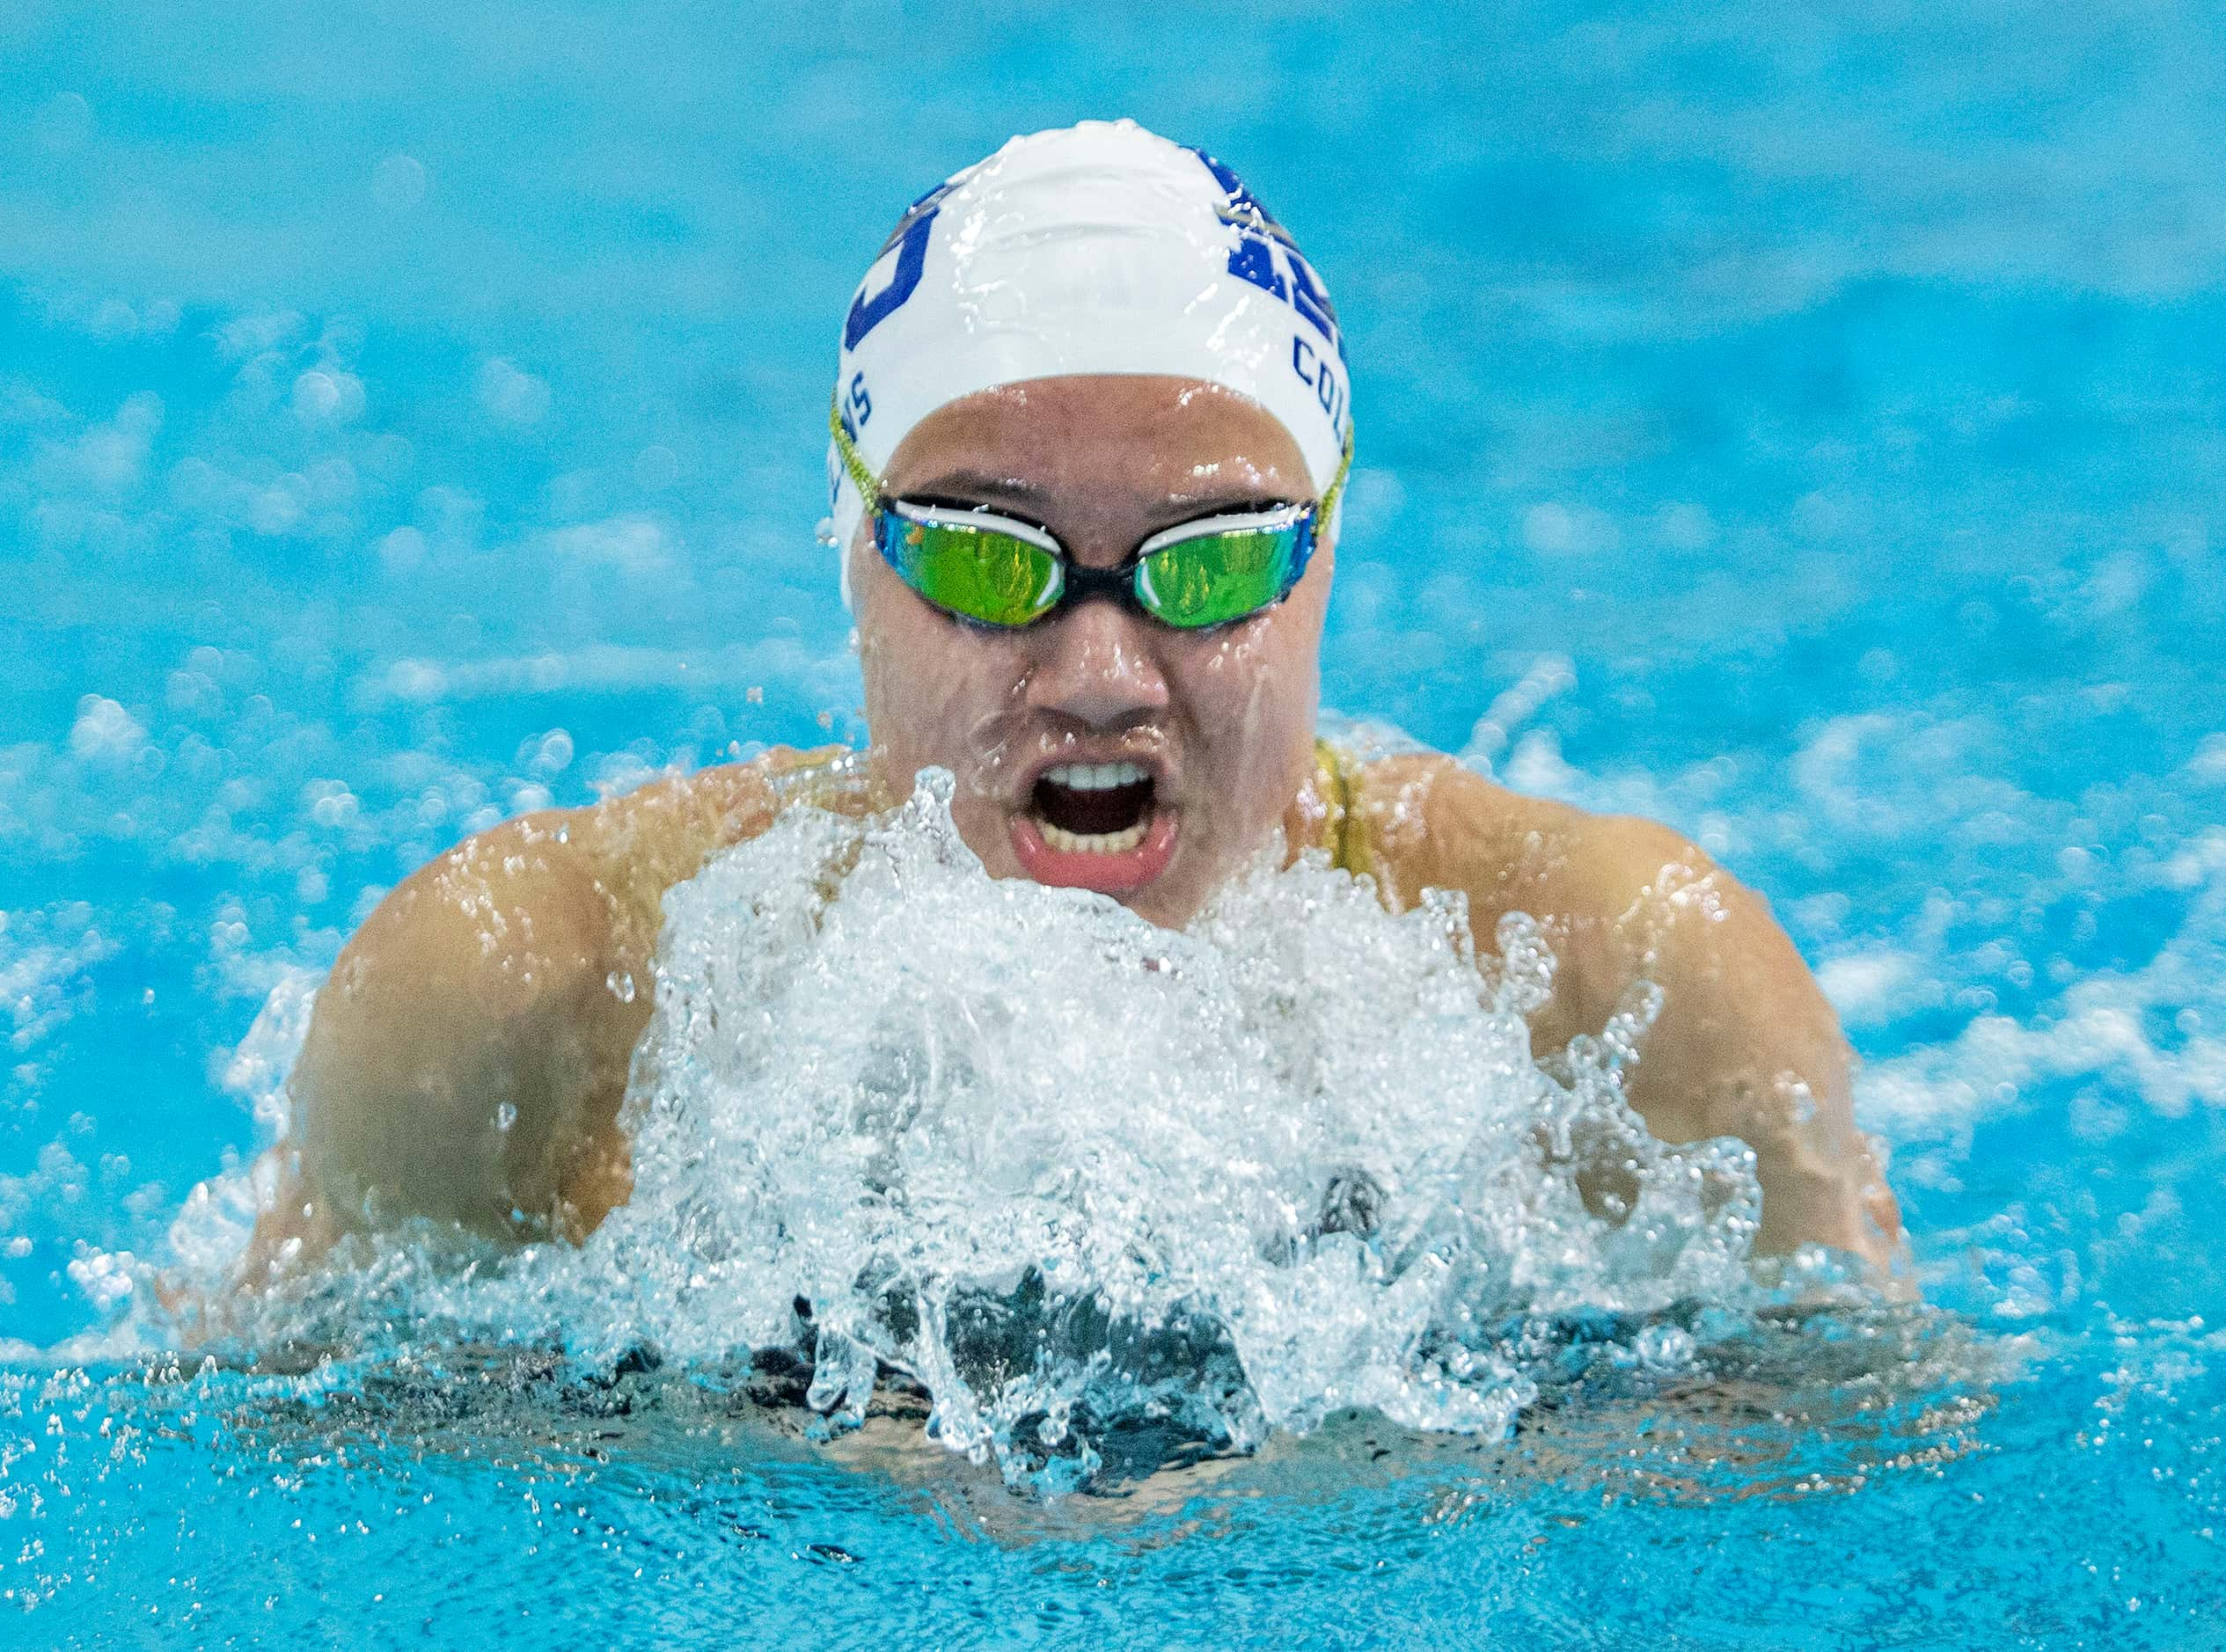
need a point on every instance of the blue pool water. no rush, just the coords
(1806, 432)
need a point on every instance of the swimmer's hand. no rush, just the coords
(467, 1055)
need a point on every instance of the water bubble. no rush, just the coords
(514, 397)
(315, 396)
(106, 1277)
(275, 510)
(1554, 529)
(402, 551)
(104, 732)
(1664, 1347)
(115, 319)
(550, 755)
(398, 183)
(327, 396)
(63, 123)
(330, 803)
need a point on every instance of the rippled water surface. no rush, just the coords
(1805, 432)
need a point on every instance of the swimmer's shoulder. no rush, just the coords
(1427, 821)
(489, 977)
(723, 804)
(608, 864)
(642, 844)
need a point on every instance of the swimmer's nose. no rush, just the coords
(1097, 666)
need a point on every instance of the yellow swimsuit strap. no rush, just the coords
(1344, 835)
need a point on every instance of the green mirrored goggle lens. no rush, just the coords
(997, 577)
(1215, 578)
(1000, 578)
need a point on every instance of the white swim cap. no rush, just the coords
(1097, 248)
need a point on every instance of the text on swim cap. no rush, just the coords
(1266, 257)
(1314, 369)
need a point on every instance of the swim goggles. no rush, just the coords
(997, 571)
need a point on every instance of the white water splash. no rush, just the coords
(1075, 1175)
(1070, 1172)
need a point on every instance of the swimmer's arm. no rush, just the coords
(466, 1050)
(1745, 1045)
(467, 1055)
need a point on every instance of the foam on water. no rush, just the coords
(1074, 1175)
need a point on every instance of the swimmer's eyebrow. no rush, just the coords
(974, 487)
(982, 487)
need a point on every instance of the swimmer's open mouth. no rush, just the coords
(1095, 826)
(1102, 809)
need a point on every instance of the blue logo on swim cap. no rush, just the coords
(910, 239)
(1253, 259)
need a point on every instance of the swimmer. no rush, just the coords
(1090, 430)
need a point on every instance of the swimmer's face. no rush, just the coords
(1037, 723)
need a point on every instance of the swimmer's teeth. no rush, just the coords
(1095, 777)
(1069, 843)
